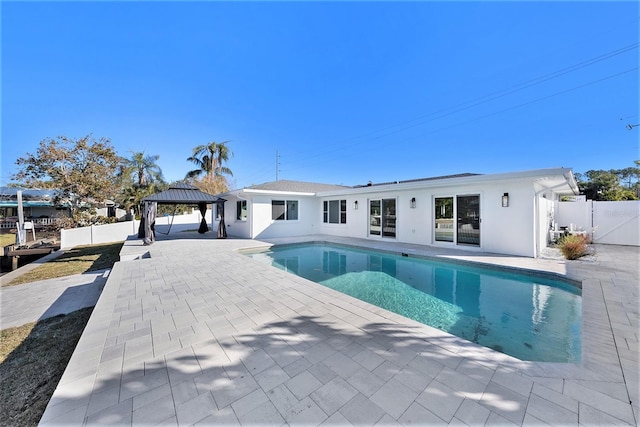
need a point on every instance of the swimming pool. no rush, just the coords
(525, 316)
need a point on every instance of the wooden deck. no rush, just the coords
(36, 248)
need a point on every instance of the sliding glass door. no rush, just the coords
(464, 227)
(443, 226)
(375, 218)
(382, 218)
(468, 211)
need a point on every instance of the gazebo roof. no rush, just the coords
(182, 194)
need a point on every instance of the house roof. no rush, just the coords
(434, 178)
(30, 197)
(560, 180)
(295, 187)
(182, 194)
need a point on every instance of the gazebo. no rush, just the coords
(182, 194)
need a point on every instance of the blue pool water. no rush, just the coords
(525, 316)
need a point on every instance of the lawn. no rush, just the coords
(74, 261)
(7, 239)
(34, 356)
(32, 360)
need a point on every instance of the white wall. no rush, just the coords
(521, 228)
(357, 219)
(264, 227)
(236, 228)
(546, 215)
(511, 229)
(507, 230)
(97, 234)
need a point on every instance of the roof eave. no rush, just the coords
(453, 181)
(277, 192)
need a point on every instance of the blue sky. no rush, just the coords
(345, 92)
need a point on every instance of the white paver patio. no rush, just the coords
(193, 332)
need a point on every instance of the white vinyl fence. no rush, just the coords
(95, 234)
(122, 230)
(609, 223)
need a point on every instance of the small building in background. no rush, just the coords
(38, 206)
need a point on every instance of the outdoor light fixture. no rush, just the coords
(355, 205)
(505, 200)
(412, 202)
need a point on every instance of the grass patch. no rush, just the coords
(33, 358)
(78, 260)
(7, 239)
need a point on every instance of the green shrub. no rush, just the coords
(573, 246)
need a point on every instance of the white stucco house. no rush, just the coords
(506, 213)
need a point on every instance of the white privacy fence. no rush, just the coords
(117, 232)
(95, 234)
(610, 223)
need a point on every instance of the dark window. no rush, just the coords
(335, 211)
(282, 210)
(277, 210)
(292, 210)
(241, 210)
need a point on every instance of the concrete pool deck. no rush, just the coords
(188, 331)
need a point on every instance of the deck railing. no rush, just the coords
(5, 223)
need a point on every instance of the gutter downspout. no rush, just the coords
(536, 216)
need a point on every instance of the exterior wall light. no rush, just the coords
(412, 203)
(355, 205)
(505, 200)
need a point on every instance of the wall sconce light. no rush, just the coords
(505, 200)
(412, 203)
(355, 205)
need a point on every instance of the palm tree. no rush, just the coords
(131, 196)
(209, 159)
(142, 169)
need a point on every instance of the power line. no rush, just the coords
(533, 101)
(419, 120)
(591, 83)
(466, 105)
